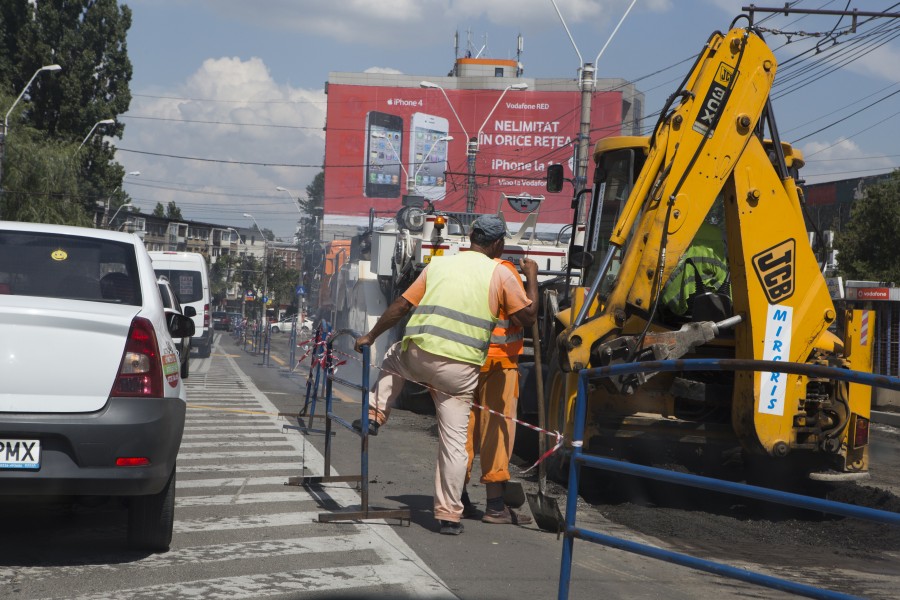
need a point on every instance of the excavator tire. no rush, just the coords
(559, 413)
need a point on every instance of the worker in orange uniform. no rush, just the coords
(491, 435)
(457, 300)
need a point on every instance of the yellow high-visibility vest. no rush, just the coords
(454, 318)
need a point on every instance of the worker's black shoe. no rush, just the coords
(451, 528)
(470, 511)
(373, 426)
(507, 516)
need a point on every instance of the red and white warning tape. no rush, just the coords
(556, 434)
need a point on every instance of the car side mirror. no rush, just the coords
(180, 326)
(581, 260)
(555, 178)
(190, 311)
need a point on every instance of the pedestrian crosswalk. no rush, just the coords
(231, 473)
(239, 531)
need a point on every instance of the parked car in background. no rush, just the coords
(288, 322)
(93, 401)
(172, 305)
(189, 277)
(222, 320)
(236, 319)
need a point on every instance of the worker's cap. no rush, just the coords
(491, 226)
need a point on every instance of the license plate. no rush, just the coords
(20, 454)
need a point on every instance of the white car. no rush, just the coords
(287, 323)
(91, 396)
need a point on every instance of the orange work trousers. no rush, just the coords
(490, 435)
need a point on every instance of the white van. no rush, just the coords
(189, 278)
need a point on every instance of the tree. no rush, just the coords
(867, 244)
(88, 39)
(38, 179)
(172, 211)
(314, 207)
(159, 210)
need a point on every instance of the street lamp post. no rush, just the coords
(91, 132)
(6, 120)
(265, 264)
(115, 214)
(472, 145)
(108, 222)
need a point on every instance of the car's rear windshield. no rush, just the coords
(53, 265)
(187, 285)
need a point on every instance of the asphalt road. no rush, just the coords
(241, 533)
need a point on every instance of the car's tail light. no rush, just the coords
(132, 461)
(206, 315)
(140, 373)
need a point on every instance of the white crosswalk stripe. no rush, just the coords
(239, 531)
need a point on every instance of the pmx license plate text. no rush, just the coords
(20, 454)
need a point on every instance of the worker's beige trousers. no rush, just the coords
(452, 385)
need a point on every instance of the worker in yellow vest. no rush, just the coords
(491, 435)
(457, 301)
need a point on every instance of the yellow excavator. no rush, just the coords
(696, 247)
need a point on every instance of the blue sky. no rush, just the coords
(242, 81)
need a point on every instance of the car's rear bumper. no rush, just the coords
(79, 451)
(204, 338)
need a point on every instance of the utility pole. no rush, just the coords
(584, 133)
(587, 82)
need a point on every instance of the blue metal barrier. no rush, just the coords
(579, 458)
(364, 511)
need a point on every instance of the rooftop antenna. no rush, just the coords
(520, 47)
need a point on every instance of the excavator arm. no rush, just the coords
(711, 146)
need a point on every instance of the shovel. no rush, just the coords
(544, 508)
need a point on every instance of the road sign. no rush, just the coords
(265, 299)
(300, 291)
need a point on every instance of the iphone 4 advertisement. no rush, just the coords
(428, 155)
(384, 147)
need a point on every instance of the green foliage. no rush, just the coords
(867, 245)
(159, 210)
(87, 38)
(314, 207)
(172, 211)
(39, 181)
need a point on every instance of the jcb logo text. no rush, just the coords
(775, 269)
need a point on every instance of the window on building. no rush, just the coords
(498, 71)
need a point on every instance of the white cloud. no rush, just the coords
(840, 159)
(383, 70)
(396, 23)
(202, 118)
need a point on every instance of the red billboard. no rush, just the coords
(384, 142)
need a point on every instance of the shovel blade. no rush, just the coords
(513, 494)
(546, 512)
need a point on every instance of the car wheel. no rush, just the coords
(275, 329)
(204, 351)
(151, 519)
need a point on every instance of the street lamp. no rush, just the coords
(472, 146)
(107, 222)
(6, 118)
(91, 132)
(115, 214)
(265, 264)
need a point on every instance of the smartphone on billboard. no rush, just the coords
(384, 149)
(428, 155)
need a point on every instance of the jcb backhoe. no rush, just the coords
(701, 251)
